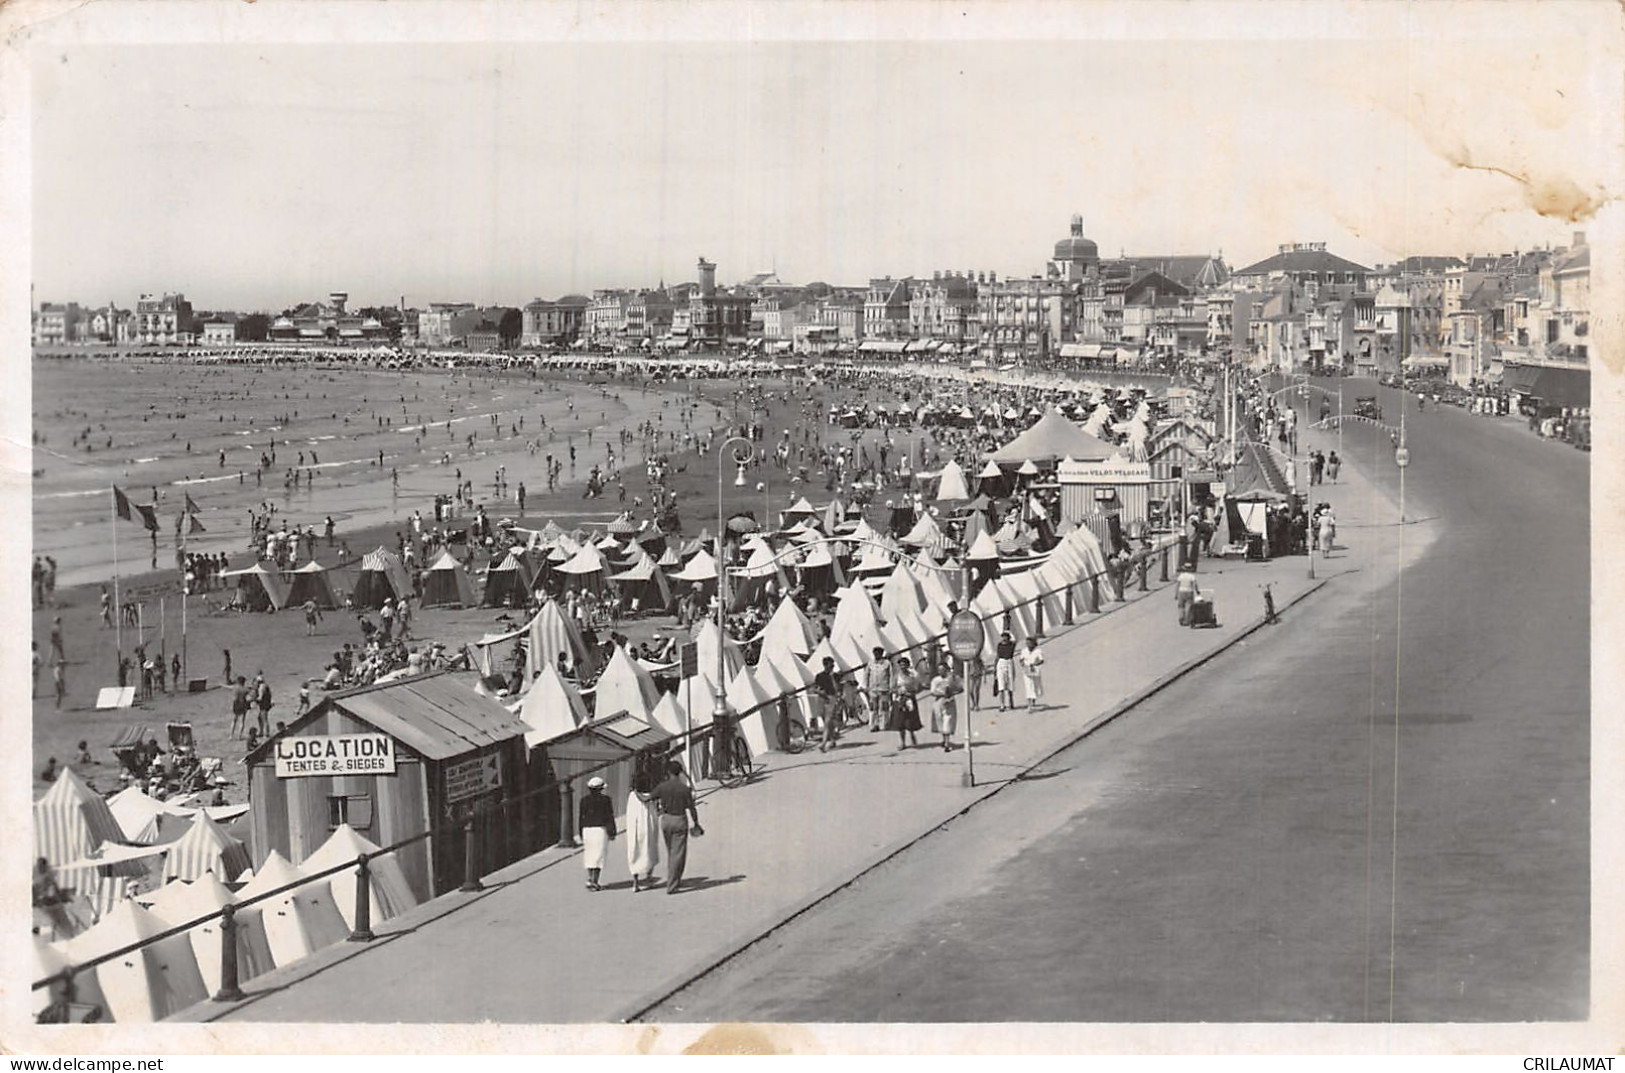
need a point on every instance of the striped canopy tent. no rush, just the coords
(952, 485)
(864, 531)
(300, 921)
(652, 540)
(563, 549)
(391, 894)
(142, 818)
(926, 534)
(382, 577)
(788, 629)
(508, 584)
(585, 571)
(624, 686)
(261, 589)
(622, 526)
(308, 583)
(609, 545)
(669, 559)
(548, 533)
(695, 546)
(760, 580)
(72, 821)
(111, 874)
(205, 848)
(447, 584)
(552, 632)
(669, 714)
(644, 585)
(149, 983)
(834, 515)
(552, 707)
(177, 903)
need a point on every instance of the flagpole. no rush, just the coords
(118, 608)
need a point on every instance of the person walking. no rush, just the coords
(828, 692)
(1032, 670)
(905, 708)
(262, 697)
(1185, 593)
(1328, 532)
(597, 813)
(57, 651)
(59, 678)
(642, 837)
(975, 671)
(675, 800)
(107, 609)
(878, 683)
(1004, 671)
(1333, 464)
(942, 705)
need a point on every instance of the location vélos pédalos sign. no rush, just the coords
(335, 754)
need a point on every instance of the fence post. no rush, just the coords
(1184, 551)
(1039, 604)
(471, 879)
(229, 989)
(1094, 594)
(567, 837)
(1066, 605)
(362, 932)
(1165, 562)
(1144, 567)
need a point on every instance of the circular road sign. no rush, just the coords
(965, 636)
(1402, 457)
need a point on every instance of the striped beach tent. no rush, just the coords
(203, 849)
(391, 894)
(447, 584)
(644, 584)
(552, 706)
(551, 632)
(508, 584)
(309, 582)
(71, 820)
(382, 576)
(585, 570)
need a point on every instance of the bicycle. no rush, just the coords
(792, 735)
(727, 761)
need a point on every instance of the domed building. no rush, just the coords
(1076, 257)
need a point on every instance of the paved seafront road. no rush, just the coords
(1257, 842)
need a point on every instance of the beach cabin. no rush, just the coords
(613, 747)
(393, 761)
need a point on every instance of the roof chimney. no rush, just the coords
(1579, 238)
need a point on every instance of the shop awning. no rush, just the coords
(1553, 386)
(1080, 350)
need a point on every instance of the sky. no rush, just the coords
(256, 176)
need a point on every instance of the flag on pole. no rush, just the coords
(191, 507)
(121, 505)
(197, 526)
(149, 516)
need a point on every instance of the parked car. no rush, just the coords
(1366, 406)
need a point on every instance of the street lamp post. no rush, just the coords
(742, 450)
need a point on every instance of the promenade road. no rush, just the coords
(1379, 812)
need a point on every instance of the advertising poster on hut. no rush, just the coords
(335, 754)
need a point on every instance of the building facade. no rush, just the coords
(165, 319)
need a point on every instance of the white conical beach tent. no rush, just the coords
(390, 892)
(147, 984)
(71, 820)
(982, 548)
(297, 922)
(205, 848)
(552, 707)
(843, 662)
(585, 570)
(138, 815)
(952, 485)
(625, 686)
(50, 959)
(669, 714)
(788, 629)
(747, 700)
(702, 567)
(177, 903)
(705, 641)
(644, 585)
(900, 593)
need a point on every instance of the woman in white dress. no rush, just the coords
(642, 838)
(597, 815)
(1032, 668)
